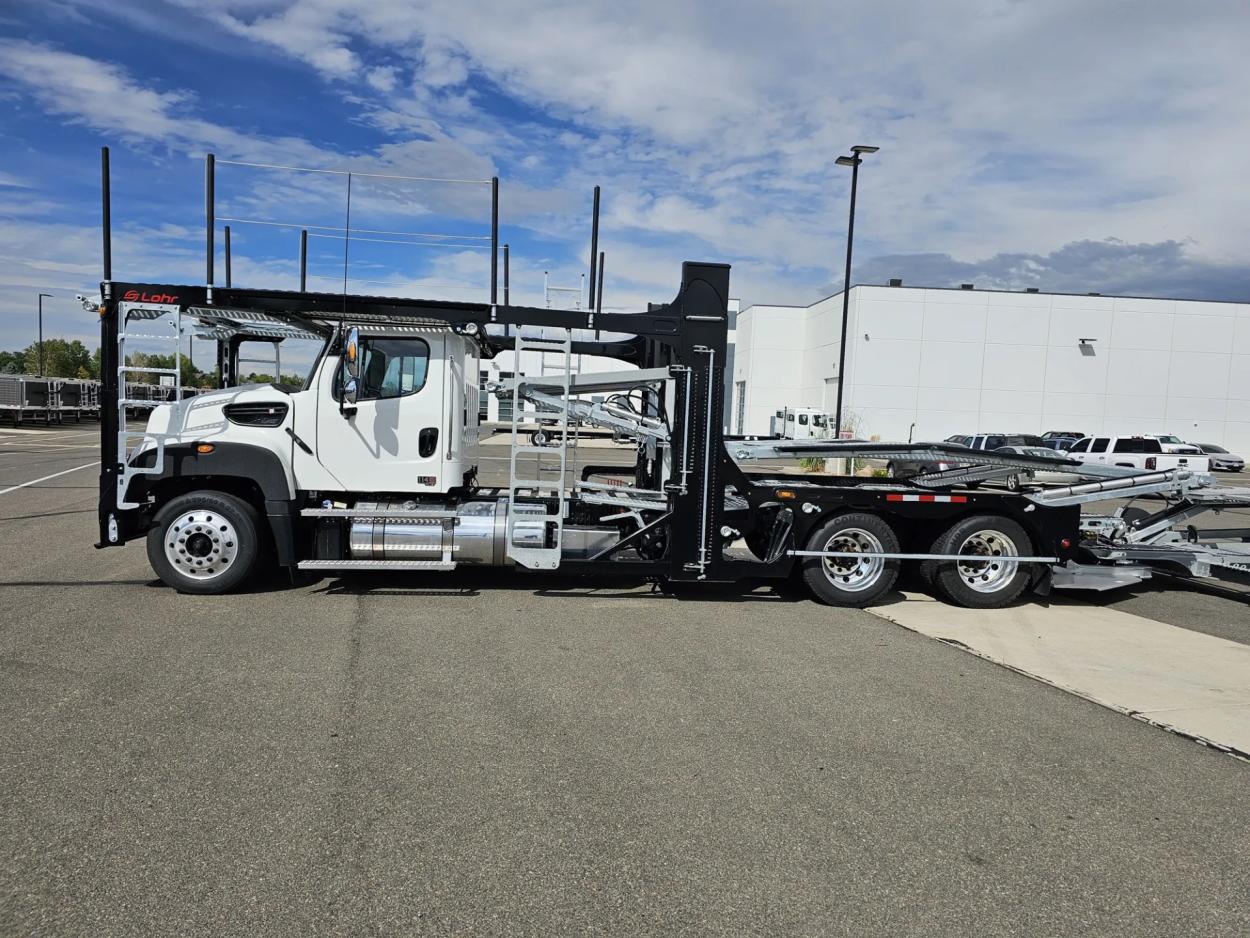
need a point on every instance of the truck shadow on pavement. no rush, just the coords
(472, 583)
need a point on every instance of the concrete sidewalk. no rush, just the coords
(1185, 681)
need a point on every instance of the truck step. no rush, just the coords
(379, 565)
(362, 514)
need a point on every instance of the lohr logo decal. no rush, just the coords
(139, 296)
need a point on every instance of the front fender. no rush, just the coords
(236, 460)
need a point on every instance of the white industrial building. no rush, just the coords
(928, 363)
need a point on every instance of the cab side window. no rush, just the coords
(1080, 446)
(392, 368)
(1100, 445)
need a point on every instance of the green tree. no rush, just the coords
(191, 376)
(262, 378)
(12, 363)
(61, 359)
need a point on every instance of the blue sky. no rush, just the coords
(1063, 145)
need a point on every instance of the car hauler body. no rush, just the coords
(372, 465)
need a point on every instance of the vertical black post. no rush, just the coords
(599, 294)
(227, 234)
(846, 300)
(106, 213)
(494, 240)
(303, 261)
(505, 275)
(599, 288)
(108, 364)
(41, 296)
(210, 173)
(594, 247)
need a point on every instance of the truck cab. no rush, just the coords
(800, 423)
(408, 423)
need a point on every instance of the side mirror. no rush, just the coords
(350, 388)
(351, 353)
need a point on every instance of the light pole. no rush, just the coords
(41, 296)
(852, 161)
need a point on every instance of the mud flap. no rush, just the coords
(782, 537)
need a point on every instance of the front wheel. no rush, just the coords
(204, 542)
(988, 578)
(851, 581)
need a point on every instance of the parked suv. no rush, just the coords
(1136, 452)
(902, 469)
(999, 440)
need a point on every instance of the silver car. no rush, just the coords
(1221, 459)
(1060, 474)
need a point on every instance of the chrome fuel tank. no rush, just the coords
(474, 531)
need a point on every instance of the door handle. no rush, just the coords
(427, 442)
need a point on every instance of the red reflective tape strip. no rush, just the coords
(926, 498)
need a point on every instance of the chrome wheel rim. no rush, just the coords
(853, 574)
(992, 569)
(201, 544)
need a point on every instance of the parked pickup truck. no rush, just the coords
(1174, 444)
(1138, 452)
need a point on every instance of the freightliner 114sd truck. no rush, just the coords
(372, 465)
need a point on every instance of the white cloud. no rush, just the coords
(383, 78)
(1006, 128)
(1003, 125)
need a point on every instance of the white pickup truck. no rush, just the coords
(1137, 452)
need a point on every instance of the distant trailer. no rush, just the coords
(23, 397)
(78, 397)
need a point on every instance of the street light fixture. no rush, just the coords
(41, 296)
(852, 161)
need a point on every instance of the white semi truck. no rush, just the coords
(372, 465)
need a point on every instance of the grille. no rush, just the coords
(264, 414)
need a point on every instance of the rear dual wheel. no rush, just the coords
(989, 577)
(851, 580)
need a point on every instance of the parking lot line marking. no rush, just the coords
(14, 488)
(1183, 681)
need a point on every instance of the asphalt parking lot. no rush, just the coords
(488, 753)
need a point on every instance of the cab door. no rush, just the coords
(392, 440)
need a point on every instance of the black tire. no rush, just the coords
(204, 542)
(984, 585)
(890, 471)
(858, 582)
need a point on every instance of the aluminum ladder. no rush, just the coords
(155, 315)
(530, 540)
